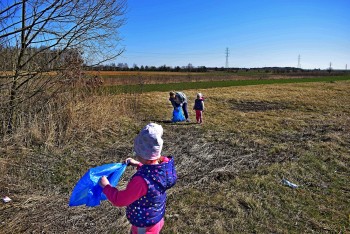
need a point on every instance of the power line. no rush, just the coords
(227, 53)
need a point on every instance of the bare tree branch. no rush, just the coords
(56, 36)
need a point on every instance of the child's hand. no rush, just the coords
(103, 182)
(132, 162)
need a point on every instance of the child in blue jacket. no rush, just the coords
(199, 107)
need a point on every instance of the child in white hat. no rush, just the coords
(145, 194)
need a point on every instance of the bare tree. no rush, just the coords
(44, 42)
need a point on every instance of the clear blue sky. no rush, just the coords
(258, 33)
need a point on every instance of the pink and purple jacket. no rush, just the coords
(145, 194)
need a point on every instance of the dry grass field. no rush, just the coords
(111, 78)
(230, 168)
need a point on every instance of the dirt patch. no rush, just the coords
(202, 157)
(258, 106)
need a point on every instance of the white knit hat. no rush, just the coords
(148, 143)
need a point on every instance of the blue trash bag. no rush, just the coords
(88, 192)
(178, 116)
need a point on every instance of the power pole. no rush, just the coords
(346, 67)
(227, 53)
(299, 65)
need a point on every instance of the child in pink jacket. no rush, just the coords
(145, 194)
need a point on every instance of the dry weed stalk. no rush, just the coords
(73, 117)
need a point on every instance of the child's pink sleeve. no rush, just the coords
(165, 159)
(136, 188)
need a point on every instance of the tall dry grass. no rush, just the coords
(49, 149)
(71, 117)
(229, 168)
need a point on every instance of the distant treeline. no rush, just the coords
(48, 59)
(190, 68)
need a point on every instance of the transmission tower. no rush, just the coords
(227, 53)
(346, 67)
(299, 65)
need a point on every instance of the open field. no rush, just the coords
(230, 168)
(111, 78)
(151, 87)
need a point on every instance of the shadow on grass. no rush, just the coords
(169, 122)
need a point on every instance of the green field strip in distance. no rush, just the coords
(211, 84)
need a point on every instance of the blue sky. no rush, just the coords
(258, 33)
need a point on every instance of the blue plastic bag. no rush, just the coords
(178, 116)
(88, 192)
